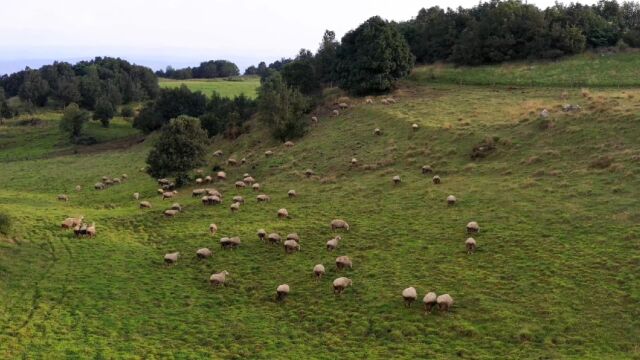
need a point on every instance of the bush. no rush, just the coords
(104, 111)
(73, 120)
(282, 108)
(127, 111)
(5, 224)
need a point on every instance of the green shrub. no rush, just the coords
(5, 224)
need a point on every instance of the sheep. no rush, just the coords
(105, 178)
(232, 242)
(368, 101)
(108, 182)
(268, 153)
(414, 127)
(176, 206)
(339, 224)
(238, 199)
(314, 119)
(116, 181)
(291, 246)
(136, 195)
(410, 295)
(218, 279)
(294, 236)
(396, 179)
(199, 181)
(262, 234)
(170, 213)
(340, 284)
(213, 192)
(451, 200)
(70, 223)
(426, 169)
(354, 161)
(198, 192)
(289, 144)
(245, 175)
(232, 162)
(171, 258)
(145, 205)
(473, 227)
(343, 106)
(281, 292)
(80, 230)
(436, 180)
(221, 175)
(218, 153)
(213, 228)
(249, 180)
(391, 100)
(234, 207)
(470, 245)
(240, 184)
(63, 197)
(309, 173)
(255, 187)
(283, 213)
(333, 243)
(544, 113)
(203, 253)
(78, 187)
(208, 179)
(168, 194)
(377, 131)
(160, 191)
(292, 194)
(444, 302)
(210, 200)
(263, 198)
(384, 101)
(335, 113)
(162, 181)
(274, 238)
(318, 271)
(99, 186)
(429, 301)
(343, 262)
(91, 230)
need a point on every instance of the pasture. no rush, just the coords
(228, 88)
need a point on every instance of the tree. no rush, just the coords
(34, 88)
(251, 70)
(181, 146)
(104, 111)
(281, 108)
(301, 73)
(5, 111)
(372, 57)
(170, 104)
(73, 121)
(326, 57)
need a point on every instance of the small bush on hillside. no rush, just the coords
(5, 224)
(73, 121)
(127, 111)
(104, 111)
(282, 108)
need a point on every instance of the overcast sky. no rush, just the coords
(162, 32)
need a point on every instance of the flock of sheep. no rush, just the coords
(211, 196)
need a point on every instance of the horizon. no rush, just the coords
(190, 40)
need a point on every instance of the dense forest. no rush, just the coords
(206, 70)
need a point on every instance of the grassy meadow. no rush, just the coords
(554, 276)
(228, 88)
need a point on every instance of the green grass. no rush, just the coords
(588, 69)
(555, 274)
(240, 85)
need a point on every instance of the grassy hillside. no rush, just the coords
(555, 274)
(240, 85)
(587, 69)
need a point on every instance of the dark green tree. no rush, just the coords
(73, 120)
(34, 88)
(181, 147)
(282, 108)
(371, 58)
(104, 111)
(301, 74)
(326, 57)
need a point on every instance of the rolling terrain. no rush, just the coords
(554, 276)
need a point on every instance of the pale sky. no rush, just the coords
(162, 32)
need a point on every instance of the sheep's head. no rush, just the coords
(225, 272)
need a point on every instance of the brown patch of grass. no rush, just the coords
(602, 162)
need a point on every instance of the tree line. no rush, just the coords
(206, 70)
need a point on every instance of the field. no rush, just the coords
(240, 85)
(555, 274)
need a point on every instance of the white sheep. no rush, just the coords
(170, 213)
(176, 206)
(274, 238)
(289, 144)
(436, 180)
(309, 173)
(230, 243)
(470, 245)
(333, 243)
(292, 193)
(291, 246)
(221, 175)
(203, 253)
(78, 187)
(263, 198)
(444, 302)
(208, 179)
(249, 180)
(343, 262)
(213, 229)
(377, 131)
(414, 127)
(218, 153)
(314, 119)
(429, 301)
(234, 207)
(232, 162)
(283, 213)
(262, 234)
(335, 113)
(396, 179)
(255, 187)
(199, 181)
(238, 199)
(339, 224)
(368, 101)
(91, 230)
(451, 200)
(240, 184)
(218, 279)
(268, 153)
(294, 236)
(426, 169)
(340, 284)
(171, 258)
(410, 295)
(136, 195)
(318, 271)
(145, 205)
(63, 197)
(473, 227)
(198, 192)
(168, 194)
(281, 292)
(354, 161)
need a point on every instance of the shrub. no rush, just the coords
(73, 120)
(127, 111)
(5, 224)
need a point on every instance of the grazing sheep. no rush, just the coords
(318, 271)
(368, 101)
(210, 200)
(410, 295)
(384, 101)
(292, 193)
(473, 227)
(470, 245)
(246, 175)
(105, 178)
(234, 207)
(124, 177)
(427, 169)
(80, 230)
(198, 192)
(176, 206)
(335, 113)
(354, 161)
(274, 238)
(213, 228)
(377, 131)
(414, 127)
(238, 199)
(343, 106)
(63, 197)
(213, 192)
(218, 279)
(232, 162)
(171, 258)
(391, 100)
(199, 181)
(99, 186)
(333, 243)
(339, 224)
(168, 194)
(162, 181)
(429, 301)
(218, 153)
(78, 187)
(436, 180)
(108, 182)
(340, 284)
(444, 302)
(281, 292)
(240, 184)
(343, 262)
(544, 113)
(249, 180)
(396, 179)
(289, 144)
(268, 153)
(145, 205)
(221, 175)
(208, 179)
(203, 253)
(451, 200)
(70, 223)
(230, 243)
(294, 236)
(283, 213)
(91, 230)
(160, 191)
(291, 246)
(136, 195)
(255, 187)
(263, 198)
(262, 234)
(116, 181)
(170, 213)
(314, 119)
(309, 173)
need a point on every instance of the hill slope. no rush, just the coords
(554, 275)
